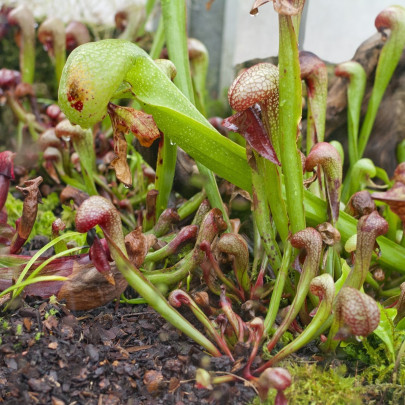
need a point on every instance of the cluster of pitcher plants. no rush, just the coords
(274, 241)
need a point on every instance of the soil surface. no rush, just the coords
(124, 355)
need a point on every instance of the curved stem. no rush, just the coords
(278, 289)
(312, 330)
(178, 297)
(261, 213)
(175, 116)
(311, 240)
(393, 18)
(355, 92)
(362, 170)
(191, 205)
(155, 299)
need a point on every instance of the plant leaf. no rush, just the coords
(122, 61)
(139, 123)
(385, 329)
(250, 126)
(395, 198)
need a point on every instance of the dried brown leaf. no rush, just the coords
(30, 206)
(72, 193)
(87, 288)
(119, 163)
(255, 8)
(283, 7)
(395, 198)
(127, 119)
(138, 245)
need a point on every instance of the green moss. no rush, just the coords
(313, 384)
(316, 384)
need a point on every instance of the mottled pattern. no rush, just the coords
(325, 155)
(313, 71)
(311, 240)
(276, 377)
(392, 17)
(256, 84)
(358, 311)
(323, 287)
(98, 210)
(92, 73)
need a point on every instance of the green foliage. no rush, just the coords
(375, 361)
(14, 208)
(43, 224)
(68, 216)
(51, 312)
(335, 384)
(385, 330)
(313, 384)
(19, 329)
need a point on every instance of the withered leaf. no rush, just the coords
(395, 198)
(119, 163)
(283, 7)
(30, 206)
(87, 288)
(72, 193)
(127, 119)
(255, 8)
(138, 245)
(330, 235)
(250, 126)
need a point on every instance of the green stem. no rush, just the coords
(191, 205)
(174, 15)
(28, 59)
(60, 60)
(165, 168)
(393, 18)
(155, 299)
(290, 117)
(362, 170)
(311, 331)
(177, 297)
(355, 93)
(158, 41)
(278, 289)
(84, 146)
(271, 175)
(261, 214)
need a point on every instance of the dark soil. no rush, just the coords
(128, 355)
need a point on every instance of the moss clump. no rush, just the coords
(330, 384)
